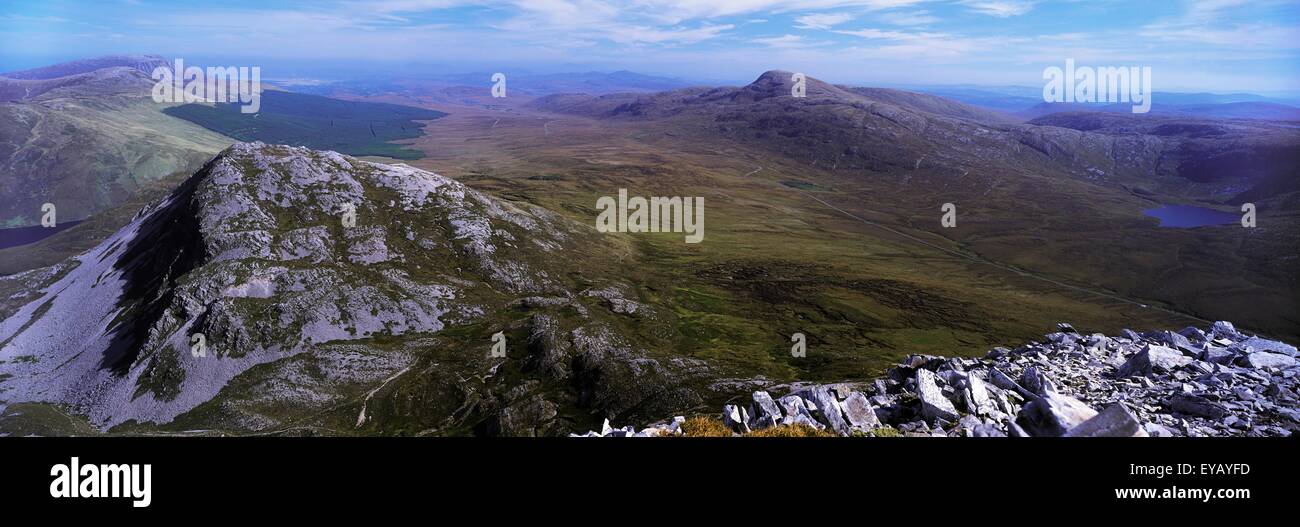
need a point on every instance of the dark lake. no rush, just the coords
(1183, 216)
(25, 235)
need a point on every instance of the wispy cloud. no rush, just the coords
(1207, 22)
(822, 20)
(913, 18)
(1000, 8)
(959, 40)
(786, 42)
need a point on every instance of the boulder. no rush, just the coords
(976, 397)
(1193, 333)
(1271, 346)
(1153, 358)
(1004, 381)
(1034, 380)
(1115, 421)
(828, 408)
(859, 413)
(796, 412)
(1173, 340)
(1218, 355)
(1053, 414)
(933, 404)
(882, 388)
(764, 410)
(1191, 404)
(735, 418)
(1264, 359)
(1224, 329)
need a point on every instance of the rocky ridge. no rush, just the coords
(333, 296)
(1194, 382)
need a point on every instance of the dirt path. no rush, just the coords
(361, 417)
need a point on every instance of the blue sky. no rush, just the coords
(1206, 45)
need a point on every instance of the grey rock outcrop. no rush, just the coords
(1214, 382)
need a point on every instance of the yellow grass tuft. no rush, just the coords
(795, 430)
(701, 426)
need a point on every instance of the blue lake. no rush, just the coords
(25, 235)
(1183, 216)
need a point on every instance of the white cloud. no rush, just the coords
(822, 20)
(784, 42)
(1205, 22)
(914, 18)
(1000, 8)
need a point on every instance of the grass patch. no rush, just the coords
(41, 419)
(795, 430)
(701, 426)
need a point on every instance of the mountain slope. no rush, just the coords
(1044, 198)
(88, 140)
(302, 315)
(886, 130)
(142, 63)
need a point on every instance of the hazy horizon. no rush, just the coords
(1218, 46)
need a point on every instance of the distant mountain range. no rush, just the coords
(1027, 102)
(142, 63)
(884, 128)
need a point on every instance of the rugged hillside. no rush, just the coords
(1220, 160)
(1055, 198)
(881, 130)
(311, 325)
(86, 136)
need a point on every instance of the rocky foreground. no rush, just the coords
(1189, 383)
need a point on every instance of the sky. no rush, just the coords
(1191, 45)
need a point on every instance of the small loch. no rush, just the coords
(1186, 216)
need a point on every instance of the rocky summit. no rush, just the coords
(1196, 382)
(286, 290)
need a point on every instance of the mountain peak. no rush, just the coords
(776, 83)
(345, 249)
